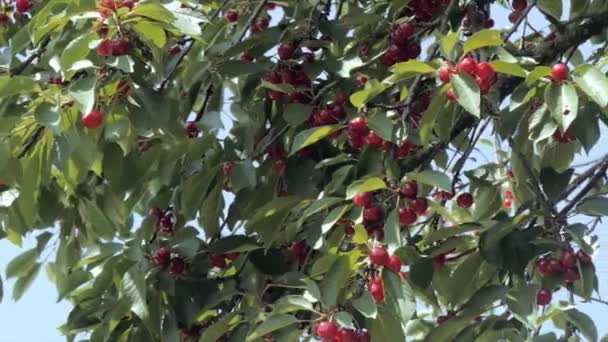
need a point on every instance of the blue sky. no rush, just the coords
(37, 315)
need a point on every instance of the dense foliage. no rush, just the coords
(247, 170)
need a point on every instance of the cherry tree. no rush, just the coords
(248, 170)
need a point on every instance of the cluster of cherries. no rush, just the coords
(114, 46)
(483, 72)
(417, 206)
(329, 331)
(518, 10)
(278, 156)
(192, 130)
(566, 266)
(107, 7)
(330, 114)
(359, 135)
(401, 47)
(292, 75)
(425, 10)
(164, 220)
(560, 73)
(163, 258)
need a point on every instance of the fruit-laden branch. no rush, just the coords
(30, 59)
(581, 179)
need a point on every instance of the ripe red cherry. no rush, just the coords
(542, 266)
(327, 330)
(519, 5)
(509, 194)
(567, 259)
(362, 80)
(372, 214)
(119, 47)
(217, 260)
(409, 190)
(402, 33)
(378, 256)
(270, 5)
(286, 51)
(584, 258)
(543, 297)
(191, 129)
(346, 335)
(279, 166)
(485, 71)
(4, 19)
(358, 125)
(451, 96)
(363, 336)
(174, 50)
(465, 200)
(356, 141)
(247, 56)
(376, 289)
(507, 203)
(407, 216)
(298, 248)
(23, 5)
(363, 199)
(227, 168)
(372, 139)
(468, 65)
(393, 263)
(571, 275)
(439, 261)
(514, 17)
(445, 73)
(156, 212)
(554, 265)
(419, 205)
(166, 224)
(178, 266)
(104, 49)
(559, 72)
(162, 257)
(231, 16)
(341, 99)
(93, 120)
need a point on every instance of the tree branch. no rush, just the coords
(592, 182)
(21, 67)
(208, 94)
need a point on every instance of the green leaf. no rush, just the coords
(1, 290)
(321, 204)
(509, 68)
(365, 185)
(25, 281)
(399, 296)
(272, 323)
(481, 39)
(151, 32)
(595, 206)
(448, 42)
(233, 243)
(217, 329)
(372, 89)
(243, 176)
(83, 92)
(467, 93)
(583, 323)
(593, 82)
(562, 101)
(296, 113)
(153, 11)
(335, 280)
(360, 237)
(310, 136)
(21, 264)
(211, 210)
(365, 305)
(292, 303)
(232, 68)
(433, 178)
(447, 330)
(345, 320)
(387, 327)
(538, 73)
(421, 273)
(551, 7)
(10, 86)
(382, 125)
(554, 182)
(134, 289)
(76, 50)
(413, 66)
(392, 231)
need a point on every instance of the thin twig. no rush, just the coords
(21, 67)
(208, 93)
(252, 18)
(519, 20)
(590, 185)
(581, 178)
